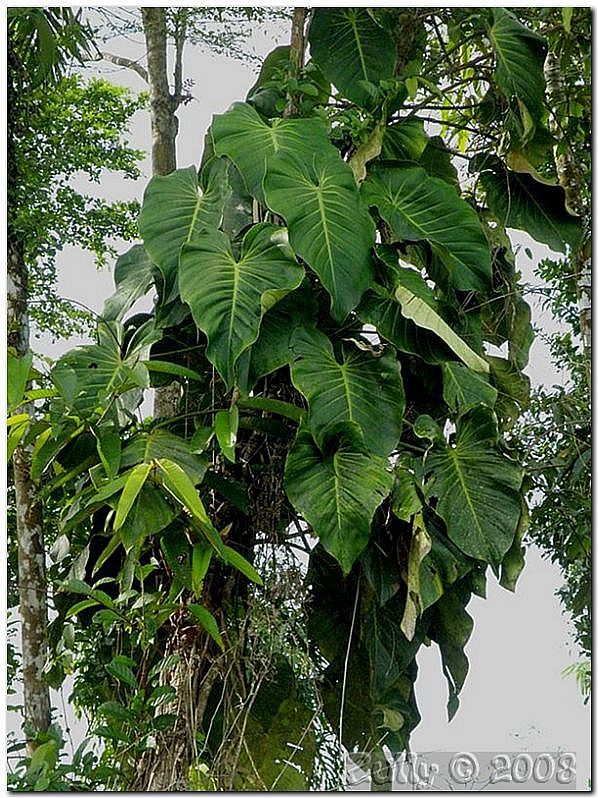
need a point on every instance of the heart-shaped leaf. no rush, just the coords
(422, 208)
(229, 296)
(249, 141)
(351, 50)
(361, 388)
(477, 488)
(175, 213)
(337, 491)
(329, 227)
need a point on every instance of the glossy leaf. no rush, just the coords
(200, 561)
(249, 141)
(120, 668)
(337, 491)
(380, 307)
(159, 443)
(362, 389)
(272, 350)
(182, 488)
(226, 425)
(520, 54)
(17, 376)
(422, 208)
(109, 450)
(207, 620)
(351, 50)
(236, 560)
(329, 227)
(175, 213)
(520, 201)
(228, 296)
(134, 274)
(477, 488)
(132, 486)
(463, 389)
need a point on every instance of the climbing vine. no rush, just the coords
(330, 292)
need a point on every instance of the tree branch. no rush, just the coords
(120, 60)
(179, 39)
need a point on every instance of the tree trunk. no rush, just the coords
(164, 122)
(164, 132)
(572, 181)
(29, 511)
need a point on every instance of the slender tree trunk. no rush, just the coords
(164, 132)
(164, 122)
(29, 511)
(571, 179)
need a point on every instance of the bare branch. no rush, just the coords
(120, 60)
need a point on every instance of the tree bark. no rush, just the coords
(164, 122)
(29, 511)
(164, 132)
(571, 179)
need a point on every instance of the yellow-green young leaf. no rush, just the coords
(200, 561)
(14, 437)
(566, 14)
(227, 424)
(36, 465)
(44, 757)
(17, 374)
(113, 544)
(411, 86)
(133, 485)
(178, 483)
(239, 562)
(421, 544)
(413, 307)
(207, 620)
(81, 605)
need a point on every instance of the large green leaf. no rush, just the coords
(338, 490)
(272, 350)
(101, 371)
(416, 305)
(132, 486)
(361, 388)
(520, 54)
(351, 50)
(380, 308)
(520, 201)
(329, 227)
(444, 565)
(159, 443)
(477, 488)
(133, 276)
(422, 208)
(451, 627)
(463, 389)
(175, 213)
(229, 296)
(249, 141)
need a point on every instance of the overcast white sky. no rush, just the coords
(515, 697)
